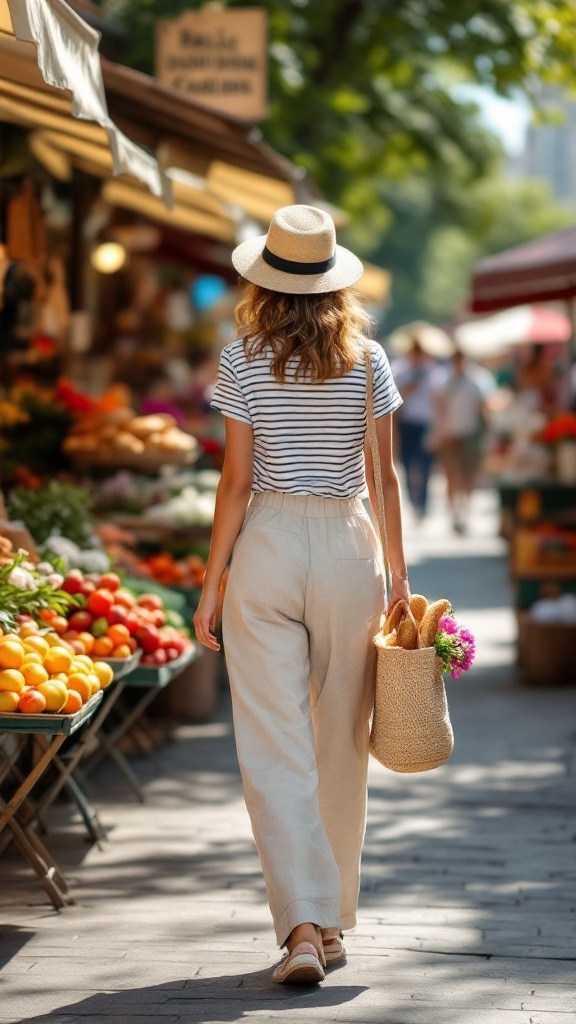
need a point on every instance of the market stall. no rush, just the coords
(536, 476)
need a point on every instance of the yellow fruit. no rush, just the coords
(79, 666)
(80, 684)
(94, 682)
(11, 654)
(105, 673)
(62, 676)
(11, 679)
(9, 700)
(32, 658)
(34, 674)
(9, 638)
(85, 661)
(58, 659)
(38, 644)
(55, 694)
(52, 639)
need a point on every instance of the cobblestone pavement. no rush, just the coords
(468, 908)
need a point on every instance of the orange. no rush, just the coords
(88, 640)
(11, 679)
(9, 700)
(55, 694)
(122, 651)
(118, 634)
(38, 644)
(32, 658)
(34, 674)
(58, 659)
(103, 647)
(32, 702)
(94, 682)
(73, 703)
(104, 672)
(81, 684)
(11, 654)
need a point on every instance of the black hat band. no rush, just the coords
(291, 267)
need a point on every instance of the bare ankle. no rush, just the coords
(306, 932)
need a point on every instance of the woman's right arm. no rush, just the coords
(232, 499)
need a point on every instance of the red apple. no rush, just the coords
(172, 654)
(160, 657)
(88, 587)
(133, 622)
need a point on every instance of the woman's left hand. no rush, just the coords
(400, 590)
(205, 619)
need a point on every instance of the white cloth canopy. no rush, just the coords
(494, 335)
(46, 36)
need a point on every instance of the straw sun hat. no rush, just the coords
(299, 254)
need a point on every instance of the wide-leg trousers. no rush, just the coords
(303, 601)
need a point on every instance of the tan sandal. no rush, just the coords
(333, 945)
(303, 965)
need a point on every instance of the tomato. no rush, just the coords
(73, 582)
(150, 601)
(133, 622)
(158, 617)
(100, 602)
(172, 654)
(47, 614)
(160, 657)
(124, 597)
(109, 581)
(81, 621)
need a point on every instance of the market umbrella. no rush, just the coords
(541, 270)
(434, 341)
(493, 335)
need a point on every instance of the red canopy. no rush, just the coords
(539, 271)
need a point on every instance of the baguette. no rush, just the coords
(407, 636)
(429, 624)
(395, 615)
(418, 606)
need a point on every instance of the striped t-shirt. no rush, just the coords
(308, 437)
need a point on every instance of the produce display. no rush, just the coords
(40, 673)
(113, 622)
(172, 572)
(121, 437)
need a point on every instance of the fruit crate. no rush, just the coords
(50, 722)
(160, 675)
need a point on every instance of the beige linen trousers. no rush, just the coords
(303, 601)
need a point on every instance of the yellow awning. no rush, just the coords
(51, 78)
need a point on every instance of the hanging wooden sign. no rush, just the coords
(218, 57)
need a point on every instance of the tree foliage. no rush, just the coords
(361, 89)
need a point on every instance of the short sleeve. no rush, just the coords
(386, 395)
(228, 396)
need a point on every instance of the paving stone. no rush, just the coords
(468, 902)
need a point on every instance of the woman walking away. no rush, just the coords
(305, 591)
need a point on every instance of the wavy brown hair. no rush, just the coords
(324, 332)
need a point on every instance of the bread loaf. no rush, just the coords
(429, 625)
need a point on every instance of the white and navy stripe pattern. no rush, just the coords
(308, 438)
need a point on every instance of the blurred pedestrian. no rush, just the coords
(305, 591)
(536, 383)
(460, 391)
(413, 376)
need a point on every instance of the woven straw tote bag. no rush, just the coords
(411, 729)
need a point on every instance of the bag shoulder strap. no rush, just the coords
(374, 448)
